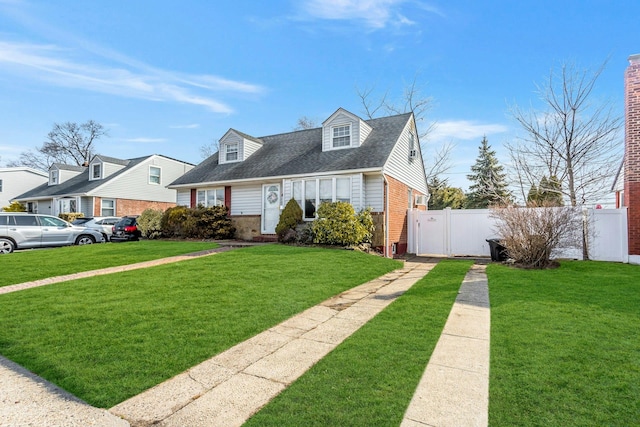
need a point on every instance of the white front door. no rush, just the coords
(270, 208)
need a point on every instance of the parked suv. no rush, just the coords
(103, 224)
(25, 230)
(126, 229)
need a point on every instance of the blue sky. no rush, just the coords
(168, 77)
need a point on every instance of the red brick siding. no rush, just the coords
(130, 207)
(398, 205)
(632, 153)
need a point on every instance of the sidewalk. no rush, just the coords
(227, 389)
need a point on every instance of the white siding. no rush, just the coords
(64, 175)
(134, 183)
(16, 181)
(246, 199)
(86, 206)
(229, 138)
(109, 169)
(184, 198)
(374, 192)
(248, 148)
(409, 172)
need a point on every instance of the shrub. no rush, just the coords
(290, 217)
(530, 234)
(198, 223)
(14, 207)
(150, 223)
(338, 224)
(70, 216)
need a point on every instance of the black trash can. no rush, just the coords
(498, 252)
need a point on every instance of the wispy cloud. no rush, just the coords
(119, 76)
(189, 126)
(464, 130)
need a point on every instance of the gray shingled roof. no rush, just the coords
(298, 153)
(79, 184)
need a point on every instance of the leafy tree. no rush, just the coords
(68, 143)
(444, 196)
(489, 181)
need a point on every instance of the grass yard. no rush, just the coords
(565, 345)
(370, 378)
(110, 337)
(18, 267)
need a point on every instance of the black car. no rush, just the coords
(126, 229)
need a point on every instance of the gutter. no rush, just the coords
(386, 216)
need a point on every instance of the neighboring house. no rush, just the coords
(107, 187)
(16, 180)
(370, 163)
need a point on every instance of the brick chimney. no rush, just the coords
(632, 155)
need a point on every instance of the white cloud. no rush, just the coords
(375, 13)
(464, 130)
(121, 76)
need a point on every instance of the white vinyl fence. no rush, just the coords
(464, 232)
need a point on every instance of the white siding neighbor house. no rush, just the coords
(373, 164)
(17, 180)
(107, 186)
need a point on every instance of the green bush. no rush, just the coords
(290, 217)
(197, 223)
(150, 223)
(69, 217)
(14, 207)
(338, 224)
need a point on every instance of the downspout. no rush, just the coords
(386, 216)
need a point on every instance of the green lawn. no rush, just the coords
(110, 337)
(565, 345)
(370, 378)
(20, 267)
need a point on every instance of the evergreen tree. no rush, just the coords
(489, 181)
(444, 196)
(534, 195)
(550, 191)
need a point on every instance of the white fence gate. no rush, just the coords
(464, 232)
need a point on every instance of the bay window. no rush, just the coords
(310, 193)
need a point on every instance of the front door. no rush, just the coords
(270, 208)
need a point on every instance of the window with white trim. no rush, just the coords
(210, 197)
(155, 175)
(107, 207)
(231, 152)
(310, 193)
(96, 171)
(53, 177)
(0, 186)
(341, 136)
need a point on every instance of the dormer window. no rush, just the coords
(96, 171)
(231, 152)
(53, 177)
(341, 136)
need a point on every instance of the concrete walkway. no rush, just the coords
(454, 390)
(227, 389)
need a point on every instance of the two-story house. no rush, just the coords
(16, 180)
(107, 186)
(369, 163)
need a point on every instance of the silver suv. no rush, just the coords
(25, 230)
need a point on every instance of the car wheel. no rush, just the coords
(105, 237)
(6, 246)
(85, 240)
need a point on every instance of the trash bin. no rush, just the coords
(498, 252)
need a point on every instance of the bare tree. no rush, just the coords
(412, 100)
(67, 143)
(207, 150)
(305, 122)
(574, 138)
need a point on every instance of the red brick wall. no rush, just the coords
(632, 153)
(130, 207)
(398, 205)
